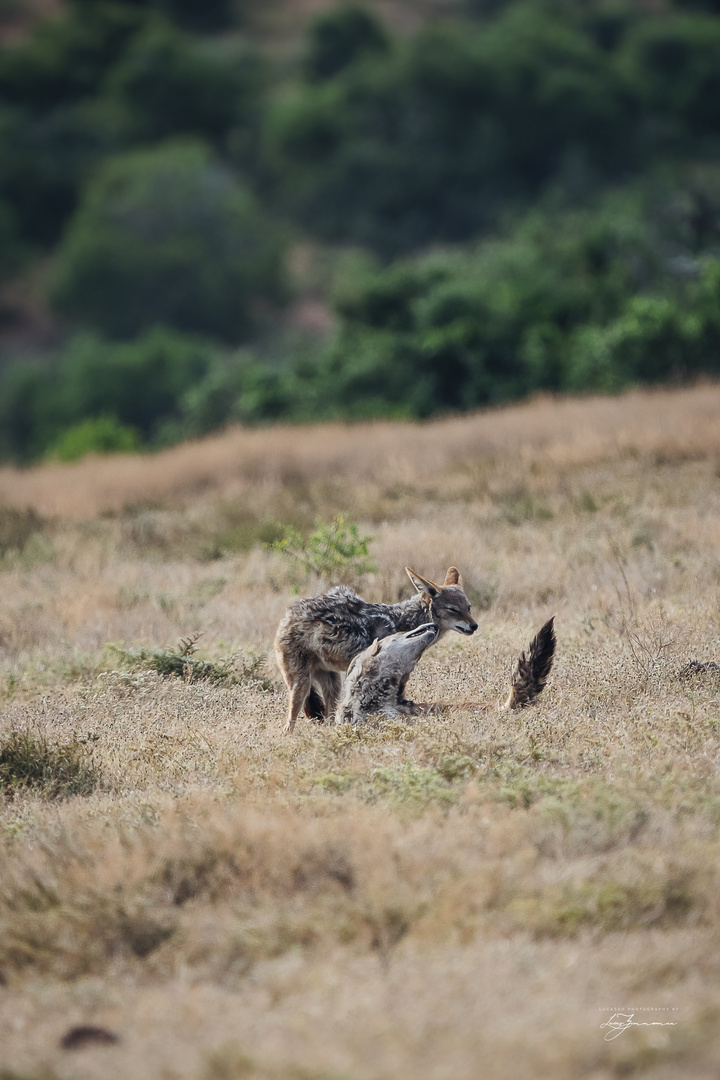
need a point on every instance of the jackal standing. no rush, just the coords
(319, 637)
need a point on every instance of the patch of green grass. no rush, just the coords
(521, 506)
(335, 783)
(455, 766)
(335, 551)
(42, 1073)
(606, 905)
(232, 1063)
(522, 787)
(23, 540)
(482, 595)
(411, 784)
(586, 503)
(239, 536)
(30, 761)
(408, 784)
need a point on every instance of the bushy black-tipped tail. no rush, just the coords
(531, 671)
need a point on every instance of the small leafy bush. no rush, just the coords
(181, 663)
(30, 761)
(334, 551)
(103, 435)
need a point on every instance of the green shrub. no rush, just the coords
(30, 761)
(167, 235)
(181, 662)
(672, 63)
(101, 435)
(53, 125)
(139, 382)
(653, 340)
(334, 551)
(428, 141)
(338, 38)
(167, 83)
(209, 15)
(210, 403)
(65, 59)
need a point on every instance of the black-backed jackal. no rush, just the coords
(376, 679)
(319, 637)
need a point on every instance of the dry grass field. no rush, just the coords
(474, 893)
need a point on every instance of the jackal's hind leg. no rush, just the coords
(298, 696)
(329, 684)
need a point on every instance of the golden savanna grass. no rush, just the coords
(473, 893)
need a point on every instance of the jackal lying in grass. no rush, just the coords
(319, 637)
(377, 677)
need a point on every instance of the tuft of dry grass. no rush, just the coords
(28, 760)
(405, 899)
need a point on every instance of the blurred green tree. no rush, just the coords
(339, 37)
(167, 236)
(167, 83)
(430, 141)
(53, 125)
(197, 15)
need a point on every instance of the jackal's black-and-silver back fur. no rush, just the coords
(319, 637)
(531, 671)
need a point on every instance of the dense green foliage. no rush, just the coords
(531, 190)
(166, 235)
(140, 384)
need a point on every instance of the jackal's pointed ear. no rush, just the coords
(452, 577)
(424, 587)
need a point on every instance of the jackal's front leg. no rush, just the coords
(402, 700)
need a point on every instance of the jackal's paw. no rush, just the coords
(288, 729)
